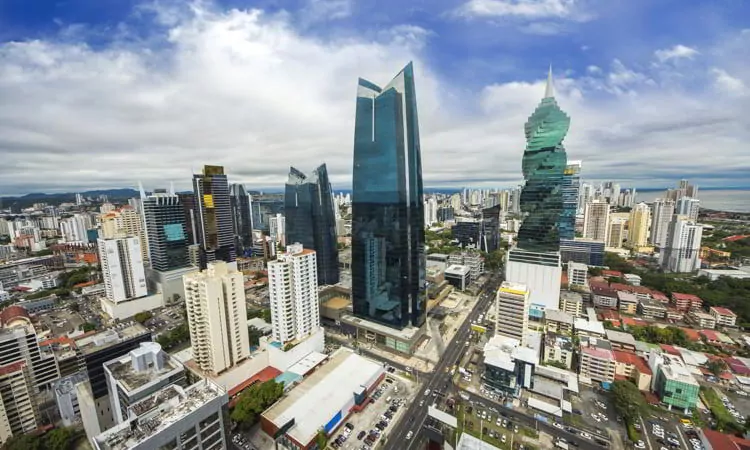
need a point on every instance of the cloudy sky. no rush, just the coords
(103, 93)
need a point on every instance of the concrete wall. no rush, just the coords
(282, 360)
(129, 308)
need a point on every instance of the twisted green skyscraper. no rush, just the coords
(544, 162)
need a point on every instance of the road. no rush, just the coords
(439, 379)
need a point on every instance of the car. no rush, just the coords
(557, 425)
(426, 392)
(585, 435)
(639, 444)
(361, 435)
(503, 439)
(421, 403)
(409, 435)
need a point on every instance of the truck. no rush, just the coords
(561, 444)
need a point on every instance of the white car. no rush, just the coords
(503, 439)
(640, 444)
(426, 392)
(585, 435)
(409, 435)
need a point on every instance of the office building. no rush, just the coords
(122, 268)
(277, 227)
(509, 366)
(311, 219)
(489, 236)
(166, 231)
(617, 232)
(242, 221)
(139, 374)
(467, 232)
(190, 211)
(584, 251)
(512, 311)
(688, 207)
(263, 207)
(214, 216)
(217, 316)
(458, 276)
(682, 250)
(388, 262)
(535, 261)
(663, 211)
(172, 418)
(293, 289)
(571, 185)
(471, 259)
(673, 382)
(640, 217)
(596, 220)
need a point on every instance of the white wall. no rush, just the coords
(129, 308)
(284, 360)
(543, 282)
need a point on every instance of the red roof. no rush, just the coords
(710, 335)
(13, 367)
(612, 273)
(621, 287)
(669, 349)
(691, 334)
(656, 295)
(736, 237)
(609, 314)
(723, 311)
(689, 297)
(634, 322)
(12, 312)
(269, 373)
(720, 441)
(564, 279)
(598, 283)
(604, 291)
(737, 366)
(641, 290)
(633, 360)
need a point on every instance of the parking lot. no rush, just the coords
(165, 320)
(368, 427)
(494, 426)
(595, 412)
(61, 321)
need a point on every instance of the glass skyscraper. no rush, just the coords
(166, 229)
(311, 220)
(388, 260)
(544, 163)
(242, 223)
(571, 185)
(214, 216)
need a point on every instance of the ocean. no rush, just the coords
(722, 200)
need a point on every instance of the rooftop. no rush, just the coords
(690, 297)
(627, 297)
(620, 337)
(407, 333)
(722, 311)
(677, 372)
(555, 315)
(596, 352)
(158, 412)
(457, 269)
(130, 378)
(633, 360)
(320, 396)
(111, 336)
(469, 442)
(589, 326)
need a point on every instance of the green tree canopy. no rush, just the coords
(254, 400)
(143, 316)
(628, 400)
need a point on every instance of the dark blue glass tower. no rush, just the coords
(571, 184)
(388, 262)
(311, 220)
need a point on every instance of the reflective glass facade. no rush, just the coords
(166, 229)
(571, 184)
(214, 216)
(241, 220)
(311, 220)
(388, 260)
(544, 163)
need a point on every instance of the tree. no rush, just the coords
(59, 439)
(254, 335)
(254, 400)
(23, 442)
(628, 400)
(321, 439)
(143, 316)
(88, 326)
(266, 315)
(75, 307)
(717, 366)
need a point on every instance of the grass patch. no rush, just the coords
(633, 434)
(724, 420)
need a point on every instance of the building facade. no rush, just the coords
(166, 230)
(122, 268)
(311, 219)
(663, 211)
(217, 317)
(512, 311)
(242, 221)
(388, 243)
(596, 220)
(214, 216)
(570, 191)
(682, 250)
(293, 289)
(640, 216)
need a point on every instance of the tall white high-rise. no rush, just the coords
(682, 250)
(122, 268)
(512, 310)
(596, 221)
(124, 222)
(663, 210)
(277, 228)
(217, 316)
(74, 229)
(584, 196)
(688, 206)
(293, 287)
(430, 211)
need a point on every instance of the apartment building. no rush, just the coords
(724, 316)
(701, 319)
(686, 302)
(652, 309)
(558, 322)
(578, 274)
(217, 316)
(627, 302)
(571, 303)
(597, 362)
(512, 311)
(603, 297)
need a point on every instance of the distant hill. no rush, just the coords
(24, 201)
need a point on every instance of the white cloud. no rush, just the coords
(326, 10)
(677, 52)
(248, 91)
(727, 83)
(529, 9)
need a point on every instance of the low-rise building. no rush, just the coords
(673, 382)
(590, 328)
(597, 360)
(724, 316)
(674, 314)
(621, 340)
(627, 302)
(508, 365)
(578, 274)
(632, 278)
(701, 319)
(635, 368)
(652, 309)
(558, 349)
(558, 321)
(603, 297)
(686, 302)
(571, 303)
(458, 276)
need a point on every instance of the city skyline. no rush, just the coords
(184, 94)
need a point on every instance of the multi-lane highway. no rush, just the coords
(439, 379)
